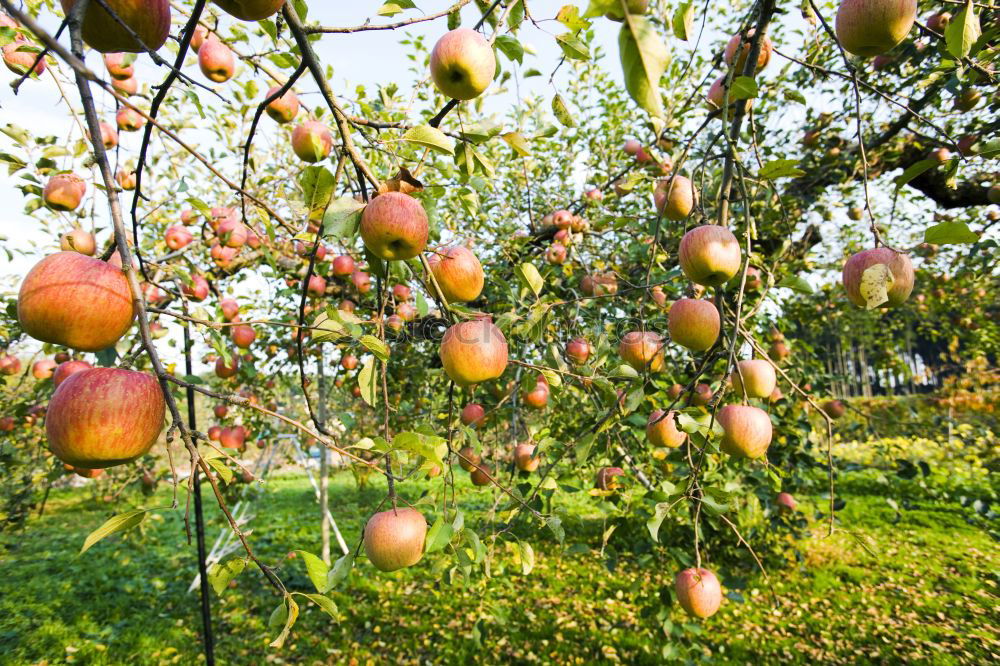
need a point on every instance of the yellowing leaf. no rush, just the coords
(875, 283)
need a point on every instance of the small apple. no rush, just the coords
(709, 255)
(834, 408)
(401, 293)
(468, 459)
(763, 57)
(43, 369)
(220, 410)
(642, 350)
(64, 191)
(938, 21)
(538, 397)
(462, 64)
(674, 197)
(78, 240)
(871, 27)
(197, 289)
(243, 336)
(64, 370)
(746, 431)
(109, 136)
(126, 179)
(342, 265)
(126, 87)
(607, 478)
(578, 350)
(10, 365)
(473, 352)
(703, 395)
(177, 237)
(232, 438)
(394, 226)
(129, 120)
(312, 141)
(214, 433)
(525, 458)
(662, 431)
(19, 55)
(675, 391)
(599, 284)
(473, 415)
(480, 476)
(349, 362)
(216, 61)
(778, 351)
(227, 366)
(899, 266)
(556, 254)
(694, 323)
(698, 592)
(149, 20)
(757, 376)
(785, 502)
(119, 65)
(201, 33)
(316, 286)
(394, 539)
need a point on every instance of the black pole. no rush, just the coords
(199, 518)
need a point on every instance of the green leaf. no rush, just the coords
(511, 48)
(340, 571)
(317, 570)
(342, 217)
(430, 137)
(368, 381)
(555, 526)
(393, 7)
(913, 171)
(290, 615)
(118, 523)
(582, 447)
(221, 573)
(527, 557)
(572, 47)
(644, 58)
(775, 169)
(517, 142)
(962, 32)
(949, 233)
(317, 190)
(744, 87)
(682, 21)
(375, 346)
(438, 536)
(716, 500)
(796, 283)
(326, 603)
(431, 447)
(653, 524)
(561, 112)
(530, 276)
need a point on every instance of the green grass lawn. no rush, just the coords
(918, 586)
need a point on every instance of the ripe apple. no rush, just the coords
(177, 237)
(393, 322)
(19, 55)
(64, 191)
(698, 592)
(76, 301)
(316, 286)
(201, 33)
(607, 478)
(126, 179)
(538, 397)
(462, 64)
(109, 136)
(243, 336)
(468, 458)
(312, 141)
(871, 27)
(394, 226)
(230, 309)
(556, 254)
(232, 438)
(64, 370)
(9, 365)
(220, 410)
(84, 472)
(473, 415)
(703, 394)
(197, 289)
(43, 369)
(746, 430)
(250, 10)
(662, 431)
(103, 417)
(223, 256)
(126, 87)
(599, 284)
(227, 366)
(694, 323)
(524, 457)
(939, 21)
(473, 351)
(632, 146)
(786, 503)
(642, 350)
(232, 232)
(401, 293)
(899, 265)
(778, 351)
(394, 539)
(480, 476)
(119, 65)
(129, 120)
(709, 255)
(674, 197)
(149, 20)
(757, 376)
(834, 408)
(283, 109)
(406, 311)
(216, 61)
(78, 240)
(7, 424)
(458, 273)
(675, 391)
(763, 57)
(342, 265)
(578, 350)
(215, 433)
(349, 362)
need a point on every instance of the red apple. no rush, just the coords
(126, 179)
(709, 255)
(226, 366)
(103, 417)
(220, 410)
(538, 397)
(216, 61)
(349, 362)
(834, 408)
(757, 376)
(763, 57)
(698, 592)
(406, 311)
(230, 309)
(662, 431)
(394, 539)
(480, 476)
(312, 141)
(19, 55)
(119, 65)
(109, 136)
(473, 352)
(177, 237)
(786, 503)
(899, 265)
(599, 284)
(607, 478)
(64, 191)
(64, 370)
(147, 19)
(468, 459)
(126, 87)
(283, 109)
(578, 350)
(401, 293)
(524, 457)
(473, 415)
(674, 197)
(702, 395)
(250, 10)
(642, 350)
(694, 323)
(462, 64)
(43, 369)
(197, 289)
(939, 21)
(243, 336)
(394, 226)
(342, 265)
(129, 120)
(458, 273)
(316, 286)
(9, 365)
(746, 431)
(362, 281)
(233, 438)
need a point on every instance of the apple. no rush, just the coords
(593, 194)
(599, 284)
(462, 64)
(675, 391)
(230, 309)
(201, 34)
(939, 21)
(232, 438)
(394, 539)
(103, 417)
(694, 323)
(177, 237)
(349, 362)
(607, 478)
(84, 472)
(776, 395)
(810, 138)
(312, 141)
(968, 99)
(19, 55)
(64, 370)
(78, 240)
(871, 27)
(556, 254)
(746, 430)
(778, 351)
(250, 10)
(214, 433)
(197, 289)
(763, 57)
(662, 431)
(473, 351)
(538, 397)
(578, 350)
(227, 366)
(881, 62)
(109, 136)
(342, 265)
(129, 120)
(709, 255)
(468, 459)
(834, 408)
(401, 292)
(458, 273)
(562, 219)
(220, 410)
(316, 286)
(119, 65)
(64, 191)
(786, 503)
(940, 155)
(232, 232)
(899, 265)
(702, 395)
(393, 322)
(754, 280)
(524, 457)
(406, 311)
(473, 415)
(222, 255)
(698, 592)
(283, 109)
(126, 87)
(243, 336)
(394, 226)
(674, 197)
(632, 146)
(716, 95)
(147, 19)
(76, 301)
(757, 376)
(9, 365)
(7, 424)
(642, 350)
(967, 144)
(216, 61)
(126, 179)
(347, 305)
(43, 369)
(480, 476)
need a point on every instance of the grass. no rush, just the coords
(917, 586)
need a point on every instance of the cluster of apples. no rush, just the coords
(20, 54)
